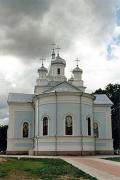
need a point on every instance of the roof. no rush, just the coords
(63, 87)
(102, 99)
(42, 68)
(58, 60)
(20, 97)
(77, 69)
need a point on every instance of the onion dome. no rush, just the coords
(42, 69)
(59, 60)
(77, 69)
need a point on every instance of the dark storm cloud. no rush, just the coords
(28, 43)
(21, 27)
(3, 102)
(103, 17)
(28, 27)
(13, 10)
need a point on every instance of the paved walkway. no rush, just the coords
(99, 168)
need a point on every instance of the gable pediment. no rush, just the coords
(63, 87)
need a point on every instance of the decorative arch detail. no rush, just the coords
(68, 124)
(96, 129)
(45, 125)
(25, 129)
(45, 115)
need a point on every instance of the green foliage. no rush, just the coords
(42, 168)
(109, 90)
(100, 91)
(3, 137)
(117, 159)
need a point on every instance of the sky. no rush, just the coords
(85, 29)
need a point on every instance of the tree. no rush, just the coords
(3, 137)
(110, 90)
(100, 91)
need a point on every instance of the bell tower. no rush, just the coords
(57, 68)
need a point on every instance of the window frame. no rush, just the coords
(89, 126)
(65, 125)
(94, 129)
(28, 130)
(48, 125)
(58, 71)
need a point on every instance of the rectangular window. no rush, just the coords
(68, 125)
(45, 126)
(89, 127)
(25, 130)
(58, 70)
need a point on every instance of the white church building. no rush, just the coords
(60, 118)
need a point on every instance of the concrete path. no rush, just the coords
(99, 168)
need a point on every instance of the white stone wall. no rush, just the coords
(66, 103)
(64, 143)
(11, 139)
(19, 144)
(106, 142)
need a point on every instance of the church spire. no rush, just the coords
(53, 54)
(42, 61)
(77, 60)
(53, 51)
(58, 49)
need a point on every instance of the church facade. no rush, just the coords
(60, 118)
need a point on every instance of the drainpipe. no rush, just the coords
(34, 127)
(38, 125)
(81, 148)
(56, 125)
(94, 136)
(37, 145)
(38, 114)
(95, 144)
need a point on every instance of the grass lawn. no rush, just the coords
(113, 159)
(34, 169)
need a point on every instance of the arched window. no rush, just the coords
(96, 130)
(68, 125)
(89, 126)
(45, 126)
(25, 130)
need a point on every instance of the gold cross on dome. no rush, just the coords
(77, 60)
(53, 44)
(58, 48)
(42, 59)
